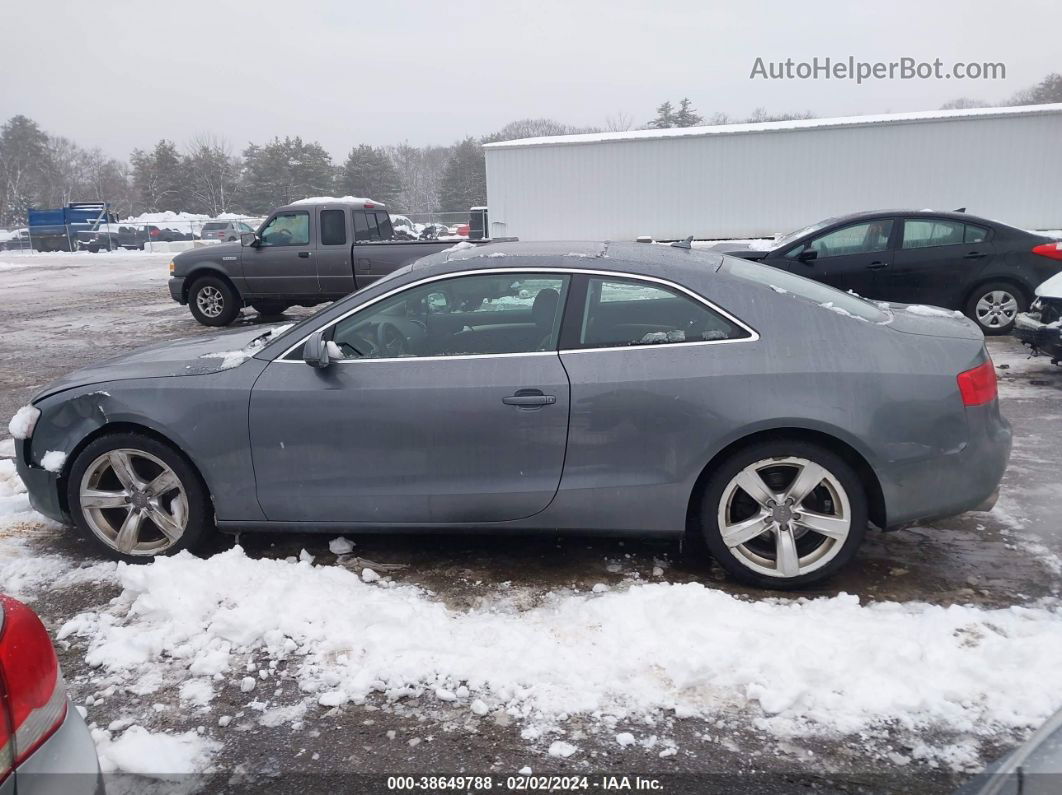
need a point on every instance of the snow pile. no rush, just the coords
(53, 460)
(154, 754)
(462, 246)
(355, 200)
(21, 425)
(932, 311)
(830, 305)
(230, 359)
(791, 666)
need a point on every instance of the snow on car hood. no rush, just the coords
(1052, 288)
(211, 353)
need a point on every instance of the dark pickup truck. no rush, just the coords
(305, 253)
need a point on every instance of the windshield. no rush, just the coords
(784, 282)
(792, 237)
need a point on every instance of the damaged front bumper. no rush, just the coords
(42, 486)
(1046, 338)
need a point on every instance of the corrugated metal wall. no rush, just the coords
(760, 183)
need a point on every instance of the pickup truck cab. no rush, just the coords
(305, 253)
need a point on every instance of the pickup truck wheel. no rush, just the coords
(213, 302)
(269, 308)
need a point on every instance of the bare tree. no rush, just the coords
(213, 172)
(619, 122)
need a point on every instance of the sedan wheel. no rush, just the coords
(785, 519)
(133, 502)
(995, 306)
(137, 498)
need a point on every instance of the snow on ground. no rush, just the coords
(790, 667)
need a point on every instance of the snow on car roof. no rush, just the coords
(355, 200)
(778, 126)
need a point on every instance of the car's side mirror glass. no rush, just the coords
(807, 255)
(248, 239)
(315, 351)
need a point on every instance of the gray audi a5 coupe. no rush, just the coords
(568, 387)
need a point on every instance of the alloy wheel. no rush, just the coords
(134, 502)
(210, 301)
(996, 309)
(784, 517)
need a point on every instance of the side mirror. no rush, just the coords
(249, 239)
(807, 255)
(315, 351)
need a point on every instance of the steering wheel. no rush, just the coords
(390, 341)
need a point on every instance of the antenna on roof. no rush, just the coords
(687, 243)
(960, 210)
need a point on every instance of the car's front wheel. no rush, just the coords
(784, 514)
(213, 302)
(995, 306)
(137, 498)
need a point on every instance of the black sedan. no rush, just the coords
(986, 269)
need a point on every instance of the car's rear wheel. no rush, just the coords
(269, 308)
(137, 498)
(995, 306)
(213, 301)
(784, 514)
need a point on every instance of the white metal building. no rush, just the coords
(743, 180)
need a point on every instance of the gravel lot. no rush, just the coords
(64, 311)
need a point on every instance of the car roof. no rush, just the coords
(651, 259)
(953, 215)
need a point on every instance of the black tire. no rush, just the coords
(738, 566)
(199, 524)
(999, 319)
(228, 302)
(270, 308)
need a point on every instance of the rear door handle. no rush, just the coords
(975, 255)
(529, 398)
(304, 254)
(877, 265)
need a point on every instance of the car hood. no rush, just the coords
(1052, 288)
(201, 355)
(931, 321)
(210, 251)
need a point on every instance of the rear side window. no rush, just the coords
(929, 232)
(625, 312)
(383, 221)
(333, 228)
(361, 227)
(975, 234)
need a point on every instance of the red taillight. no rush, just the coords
(1049, 250)
(32, 693)
(369, 206)
(978, 386)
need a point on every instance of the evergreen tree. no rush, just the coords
(464, 182)
(283, 171)
(161, 178)
(369, 172)
(1046, 91)
(665, 117)
(686, 115)
(23, 153)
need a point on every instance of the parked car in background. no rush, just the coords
(434, 231)
(45, 747)
(229, 231)
(15, 240)
(157, 234)
(568, 387)
(306, 253)
(985, 269)
(1041, 327)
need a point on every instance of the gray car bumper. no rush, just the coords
(176, 285)
(65, 765)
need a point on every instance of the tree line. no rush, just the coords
(207, 175)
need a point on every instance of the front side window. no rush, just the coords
(928, 232)
(287, 229)
(462, 316)
(333, 228)
(624, 312)
(864, 238)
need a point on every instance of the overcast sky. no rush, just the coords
(122, 74)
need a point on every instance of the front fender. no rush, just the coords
(204, 417)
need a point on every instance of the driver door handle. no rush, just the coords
(877, 265)
(529, 398)
(974, 255)
(304, 254)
